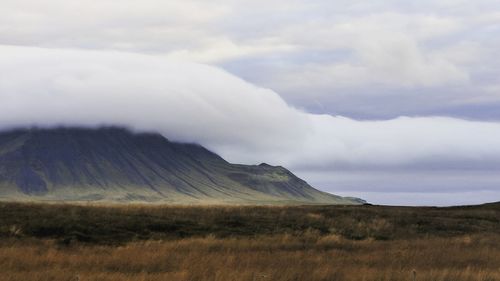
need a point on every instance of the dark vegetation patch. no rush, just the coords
(121, 223)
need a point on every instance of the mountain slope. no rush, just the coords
(114, 164)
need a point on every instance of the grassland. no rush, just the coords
(70, 242)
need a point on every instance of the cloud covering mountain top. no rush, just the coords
(244, 123)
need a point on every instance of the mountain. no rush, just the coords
(114, 164)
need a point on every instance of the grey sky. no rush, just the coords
(432, 61)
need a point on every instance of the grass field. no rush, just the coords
(69, 242)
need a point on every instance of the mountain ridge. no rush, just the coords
(115, 164)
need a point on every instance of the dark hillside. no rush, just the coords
(114, 164)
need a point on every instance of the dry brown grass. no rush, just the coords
(310, 257)
(251, 243)
(122, 224)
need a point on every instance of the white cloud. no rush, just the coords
(223, 49)
(396, 47)
(384, 49)
(245, 123)
(185, 100)
(145, 26)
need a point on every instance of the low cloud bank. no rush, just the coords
(244, 123)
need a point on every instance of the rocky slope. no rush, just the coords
(114, 164)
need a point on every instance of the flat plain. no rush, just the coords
(141, 242)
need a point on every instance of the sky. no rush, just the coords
(396, 102)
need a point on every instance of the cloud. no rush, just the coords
(385, 48)
(223, 49)
(146, 26)
(425, 142)
(186, 101)
(244, 123)
(380, 59)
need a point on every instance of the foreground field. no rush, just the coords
(63, 242)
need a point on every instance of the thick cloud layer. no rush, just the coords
(185, 101)
(200, 103)
(375, 59)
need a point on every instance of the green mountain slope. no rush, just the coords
(113, 164)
